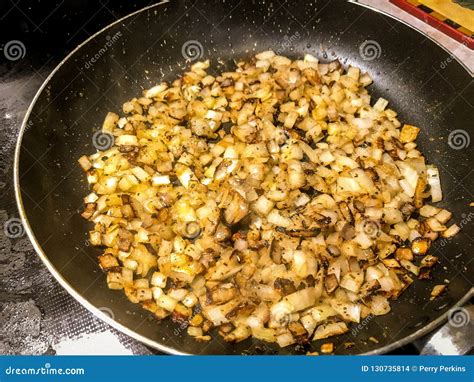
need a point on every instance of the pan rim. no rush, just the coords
(91, 307)
(416, 29)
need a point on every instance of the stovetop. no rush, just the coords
(37, 316)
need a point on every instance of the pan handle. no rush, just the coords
(456, 337)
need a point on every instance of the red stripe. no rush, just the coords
(434, 22)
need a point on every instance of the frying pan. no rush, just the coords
(423, 82)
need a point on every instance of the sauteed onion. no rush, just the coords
(276, 201)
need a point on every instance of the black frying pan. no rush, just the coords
(421, 81)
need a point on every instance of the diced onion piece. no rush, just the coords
(156, 90)
(437, 290)
(91, 198)
(158, 279)
(451, 231)
(408, 133)
(381, 104)
(373, 273)
(194, 331)
(321, 312)
(110, 121)
(309, 323)
(185, 175)
(409, 266)
(276, 195)
(263, 206)
(379, 305)
(347, 185)
(435, 225)
(432, 173)
(140, 173)
(166, 302)
(302, 299)
(126, 140)
(352, 281)
(160, 180)
(409, 178)
(190, 300)
(348, 311)
(428, 211)
(329, 330)
(267, 55)
(443, 216)
(275, 218)
(85, 163)
(285, 339)
(264, 334)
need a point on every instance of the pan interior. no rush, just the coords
(148, 47)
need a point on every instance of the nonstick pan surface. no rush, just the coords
(423, 82)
